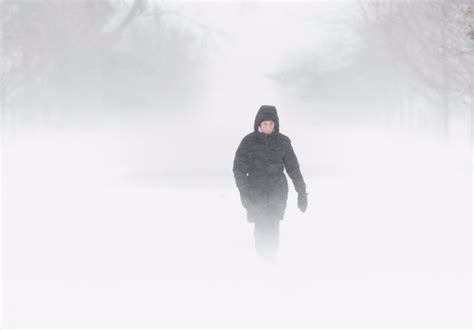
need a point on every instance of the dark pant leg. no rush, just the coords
(267, 236)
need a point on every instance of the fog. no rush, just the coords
(120, 122)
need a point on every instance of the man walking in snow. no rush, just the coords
(258, 170)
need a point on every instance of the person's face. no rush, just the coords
(267, 126)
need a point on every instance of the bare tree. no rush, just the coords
(429, 38)
(74, 57)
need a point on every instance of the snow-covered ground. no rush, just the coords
(90, 242)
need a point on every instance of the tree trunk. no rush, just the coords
(445, 84)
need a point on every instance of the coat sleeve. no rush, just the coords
(241, 167)
(293, 169)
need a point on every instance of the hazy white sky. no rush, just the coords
(254, 39)
(265, 34)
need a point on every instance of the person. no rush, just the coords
(259, 161)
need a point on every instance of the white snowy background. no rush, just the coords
(134, 221)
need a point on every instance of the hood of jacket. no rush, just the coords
(266, 113)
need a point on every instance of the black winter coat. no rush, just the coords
(258, 169)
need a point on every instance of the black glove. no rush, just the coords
(302, 201)
(244, 199)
